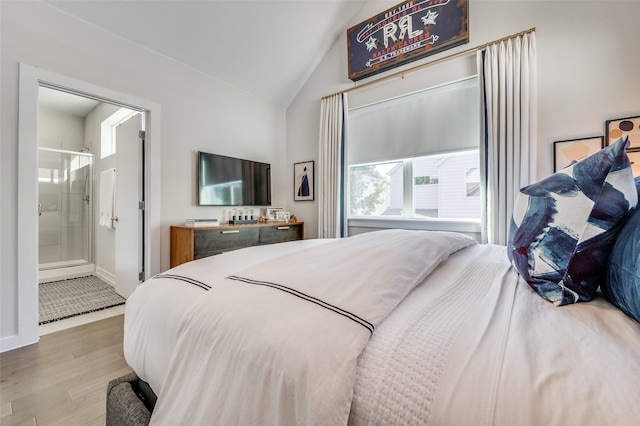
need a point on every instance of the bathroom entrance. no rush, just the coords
(32, 79)
(90, 157)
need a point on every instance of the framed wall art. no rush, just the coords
(619, 127)
(634, 157)
(283, 216)
(303, 181)
(408, 31)
(568, 151)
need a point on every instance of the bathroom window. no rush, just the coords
(108, 130)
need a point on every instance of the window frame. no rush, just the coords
(108, 130)
(359, 223)
(408, 186)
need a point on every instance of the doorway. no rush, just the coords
(81, 143)
(31, 79)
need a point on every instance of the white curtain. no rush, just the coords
(330, 166)
(508, 81)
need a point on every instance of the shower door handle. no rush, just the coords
(39, 209)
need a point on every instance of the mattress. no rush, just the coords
(472, 344)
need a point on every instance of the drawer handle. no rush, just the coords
(283, 228)
(233, 231)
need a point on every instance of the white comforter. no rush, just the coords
(476, 346)
(471, 345)
(154, 312)
(278, 343)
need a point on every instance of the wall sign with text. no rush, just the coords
(404, 33)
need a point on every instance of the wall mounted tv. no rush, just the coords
(228, 181)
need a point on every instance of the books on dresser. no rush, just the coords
(197, 223)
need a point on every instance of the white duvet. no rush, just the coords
(153, 313)
(469, 345)
(278, 343)
(476, 346)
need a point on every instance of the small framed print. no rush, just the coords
(630, 126)
(303, 181)
(283, 216)
(567, 152)
(271, 212)
(634, 157)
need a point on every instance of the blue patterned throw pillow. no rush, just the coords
(564, 226)
(622, 284)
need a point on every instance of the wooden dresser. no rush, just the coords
(189, 243)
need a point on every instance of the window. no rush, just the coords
(108, 130)
(473, 181)
(416, 156)
(370, 190)
(440, 189)
(425, 180)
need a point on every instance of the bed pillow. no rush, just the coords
(622, 284)
(564, 226)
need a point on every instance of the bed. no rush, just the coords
(394, 327)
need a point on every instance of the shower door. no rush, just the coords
(65, 199)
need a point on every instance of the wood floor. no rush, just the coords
(62, 379)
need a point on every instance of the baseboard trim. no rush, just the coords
(106, 276)
(16, 341)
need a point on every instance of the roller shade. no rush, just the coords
(437, 120)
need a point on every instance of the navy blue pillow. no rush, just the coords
(563, 227)
(622, 284)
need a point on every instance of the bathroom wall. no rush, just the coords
(104, 256)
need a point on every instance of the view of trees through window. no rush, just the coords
(369, 189)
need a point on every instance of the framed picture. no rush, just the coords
(634, 157)
(405, 32)
(303, 181)
(629, 126)
(566, 152)
(271, 212)
(283, 216)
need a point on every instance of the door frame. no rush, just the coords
(31, 78)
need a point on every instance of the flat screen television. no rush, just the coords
(228, 181)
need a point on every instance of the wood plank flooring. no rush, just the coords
(62, 379)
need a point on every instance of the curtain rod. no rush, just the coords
(421, 66)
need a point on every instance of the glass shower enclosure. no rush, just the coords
(65, 210)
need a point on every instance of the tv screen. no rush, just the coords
(228, 181)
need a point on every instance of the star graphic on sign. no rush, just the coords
(430, 18)
(372, 43)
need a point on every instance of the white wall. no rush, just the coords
(60, 131)
(198, 113)
(104, 239)
(588, 71)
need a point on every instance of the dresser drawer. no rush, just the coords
(207, 242)
(280, 233)
(189, 243)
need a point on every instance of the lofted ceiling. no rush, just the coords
(265, 47)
